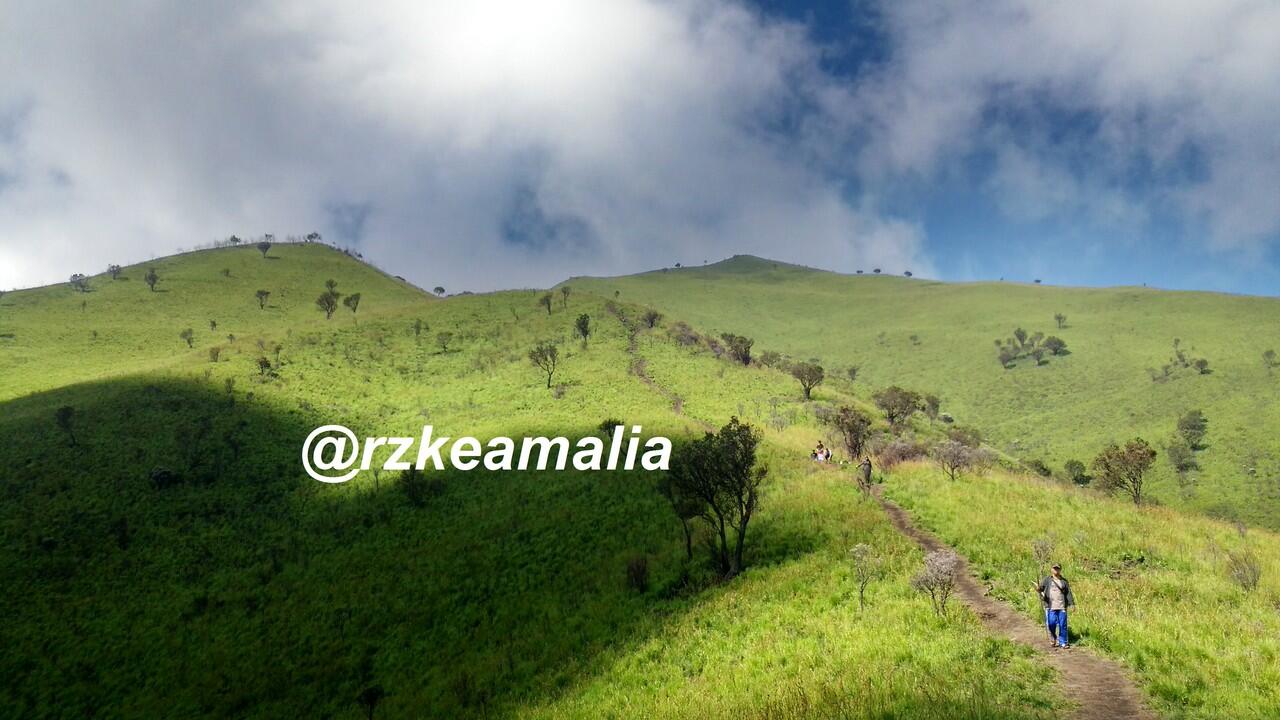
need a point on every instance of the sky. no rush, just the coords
(495, 144)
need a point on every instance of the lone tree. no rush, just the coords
(64, 416)
(810, 376)
(443, 339)
(545, 356)
(582, 327)
(1192, 427)
(262, 296)
(932, 405)
(854, 427)
(264, 247)
(438, 291)
(328, 302)
(545, 301)
(113, 271)
(867, 566)
(1060, 319)
(189, 335)
(652, 317)
(1122, 468)
(719, 470)
(1269, 359)
(739, 347)
(1055, 344)
(151, 278)
(564, 296)
(352, 302)
(938, 578)
(897, 404)
(852, 372)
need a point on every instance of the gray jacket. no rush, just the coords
(1043, 589)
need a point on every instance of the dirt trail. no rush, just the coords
(640, 370)
(1101, 687)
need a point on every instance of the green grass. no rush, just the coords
(1069, 408)
(248, 590)
(1151, 584)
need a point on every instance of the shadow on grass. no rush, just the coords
(177, 561)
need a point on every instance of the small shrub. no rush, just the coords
(867, 566)
(683, 334)
(899, 450)
(1245, 569)
(215, 353)
(1076, 472)
(607, 425)
(1038, 467)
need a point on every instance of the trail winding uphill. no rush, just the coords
(1101, 688)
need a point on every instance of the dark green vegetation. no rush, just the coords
(1130, 362)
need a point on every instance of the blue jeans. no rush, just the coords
(1057, 622)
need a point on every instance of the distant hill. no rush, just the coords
(940, 338)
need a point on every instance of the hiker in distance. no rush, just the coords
(864, 471)
(1055, 593)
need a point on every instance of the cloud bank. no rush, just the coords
(492, 144)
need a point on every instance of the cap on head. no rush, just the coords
(1056, 566)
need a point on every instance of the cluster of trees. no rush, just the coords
(328, 300)
(1180, 362)
(716, 480)
(1035, 346)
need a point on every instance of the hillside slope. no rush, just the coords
(164, 554)
(938, 337)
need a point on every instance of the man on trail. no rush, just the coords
(1055, 593)
(864, 474)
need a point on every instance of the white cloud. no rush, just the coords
(1183, 92)
(617, 136)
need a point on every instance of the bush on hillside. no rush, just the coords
(938, 579)
(739, 347)
(1076, 473)
(891, 451)
(1193, 426)
(1244, 568)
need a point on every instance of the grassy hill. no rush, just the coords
(175, 561)
(938, 338)
(164, 555)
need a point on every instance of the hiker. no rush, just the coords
(1055, 593)
(864, 472)
(819, 453)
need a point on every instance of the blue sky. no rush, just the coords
(968, 235)
(497, 143)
